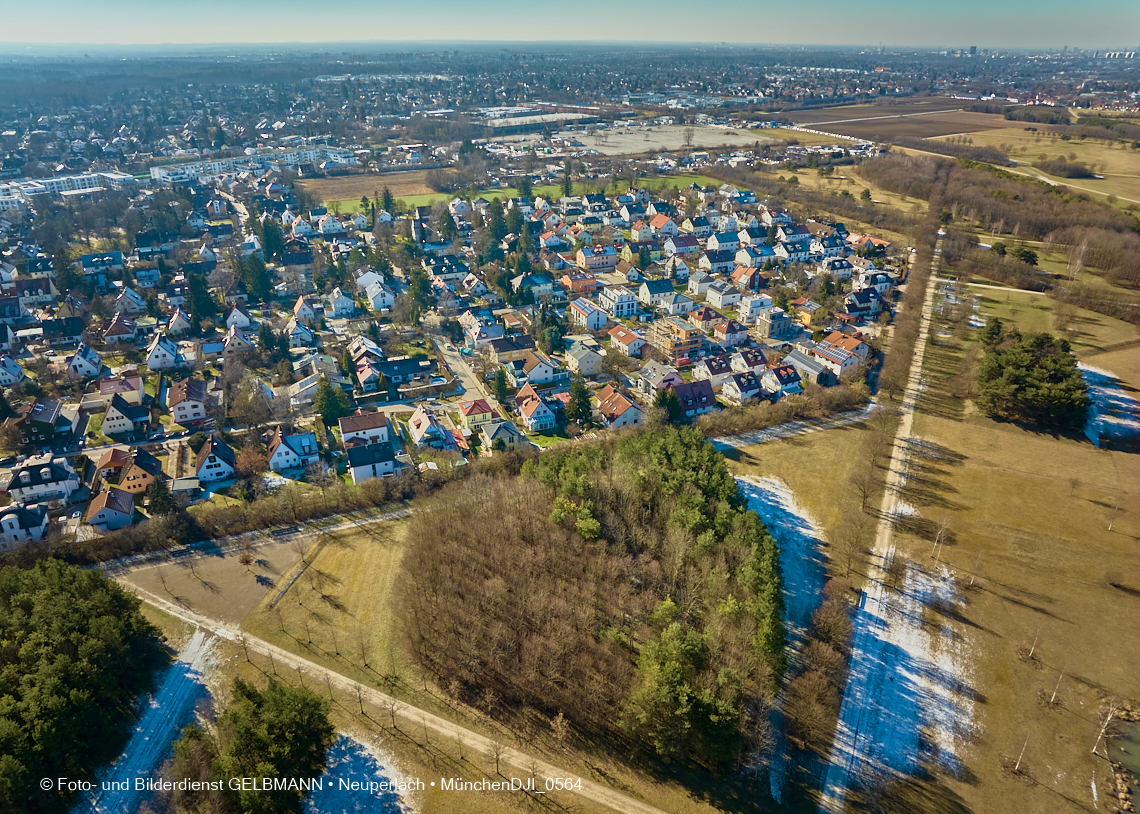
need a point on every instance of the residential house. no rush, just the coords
(215, 461)
(367, 461)
(583, 361)
(654, 376)
(677, 305)
(63, 331)
(810, 368)
(300, 335)
(782, 380)
(186, 401)
(111, 509)
(137, 469)
(683, 245)
(713, 369)
(584, 313)
(121, 330)
(626, 341)
(774, 323)
(696, 398)
(427, 430)
(741, 388)
(723, 242)
(121, 417)
(129, 388)
(705, 318)
(237, 344)
(502, 436)
(677, 269)
(755, 256)
(865, 303)
(752, 305)
(303, 311)
(19, 524)
(730, 333)
(616, 410)
(537, 283)
(796, 251)
(163, 354)
(722, 295)
(34, 292)
(848, 343)
(618, 301)
(11, 371)
(838, 360)
(653, 292)
(676, 339)
(130, 302)
(291, 451)
(179, 323)
(717, 262)
(879, 282)
(511, 348)
(380, 297)
(698, 226)
(42, 477)
(363, 428)
(748, 360)
(663, 226)
(533, 368)
(237, 316)
(536, 415)
(747, 279)
(474, 413)
(579, 284)
(699, 282)
(341, 305)
(39, 422)
(596, 257)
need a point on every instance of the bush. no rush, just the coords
(1065, 169)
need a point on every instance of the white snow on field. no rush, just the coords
(167, 711)
(804, 571)
(908, 699)
(1114, 414)
(353, 761)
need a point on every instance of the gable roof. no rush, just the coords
(115, 499)
(361, 421)
(186, 390)
(217, 447)
(476, 407)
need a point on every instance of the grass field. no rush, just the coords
(818, 468)
(348, 205)
(1117, 161)
(349, 188)
(1047, 526)
(918, 118)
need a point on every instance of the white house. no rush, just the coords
(303, 311)
(367, 461)
(618, 301)
(130, 302)
(365, 429)
(291, 451)
(536, 415)
(341, 305)
(162, 353)
(300, 335)
(111, 509)
(215, 461)
(19, 524)
(42, 477)
(186, 401)
(654, 292)
(752, 305)
(721, 295)
(238, 316)
(11, 371)
(379, 296)
(586, 314)
(123, 417)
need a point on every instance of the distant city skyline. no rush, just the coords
(1108, 24)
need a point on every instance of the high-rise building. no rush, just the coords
(973, 50)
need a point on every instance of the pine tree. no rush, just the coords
(330, 402)
(501, 394)
(579, 409)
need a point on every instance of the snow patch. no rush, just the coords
(908, 699)
(356, 761)
(905, 510)
(165, 714)
(1114, 414)
(804, 571)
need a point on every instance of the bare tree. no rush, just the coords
(495, 753)
(863, 485)
(561, 728)
(1074, 484)
(362, 645)
(851, 541)
(941, 529)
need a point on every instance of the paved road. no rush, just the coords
(461, 370)
(869, 670)
(414, 719)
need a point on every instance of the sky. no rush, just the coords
(1113, 24)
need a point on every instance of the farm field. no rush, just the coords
(1117, 161)
(630, 141)
(349, 188)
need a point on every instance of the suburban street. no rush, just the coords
(468, 380)
(868, 669)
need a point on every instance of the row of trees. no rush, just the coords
(624, 585)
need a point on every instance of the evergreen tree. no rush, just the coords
(496, 222)
(67, 277)
(389, 203)
(567, 181)
(501, 393)
(202, 305)
(161, 501)
(256, 278)
(525, 187)
(272, 241)
(644, 258)
(667, 401)
(330, 402)
(579, 408)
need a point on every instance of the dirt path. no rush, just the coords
(413, 716)
(870, 664)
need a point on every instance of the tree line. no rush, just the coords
(624, 585)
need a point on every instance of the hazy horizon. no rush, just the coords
(1019, 24)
